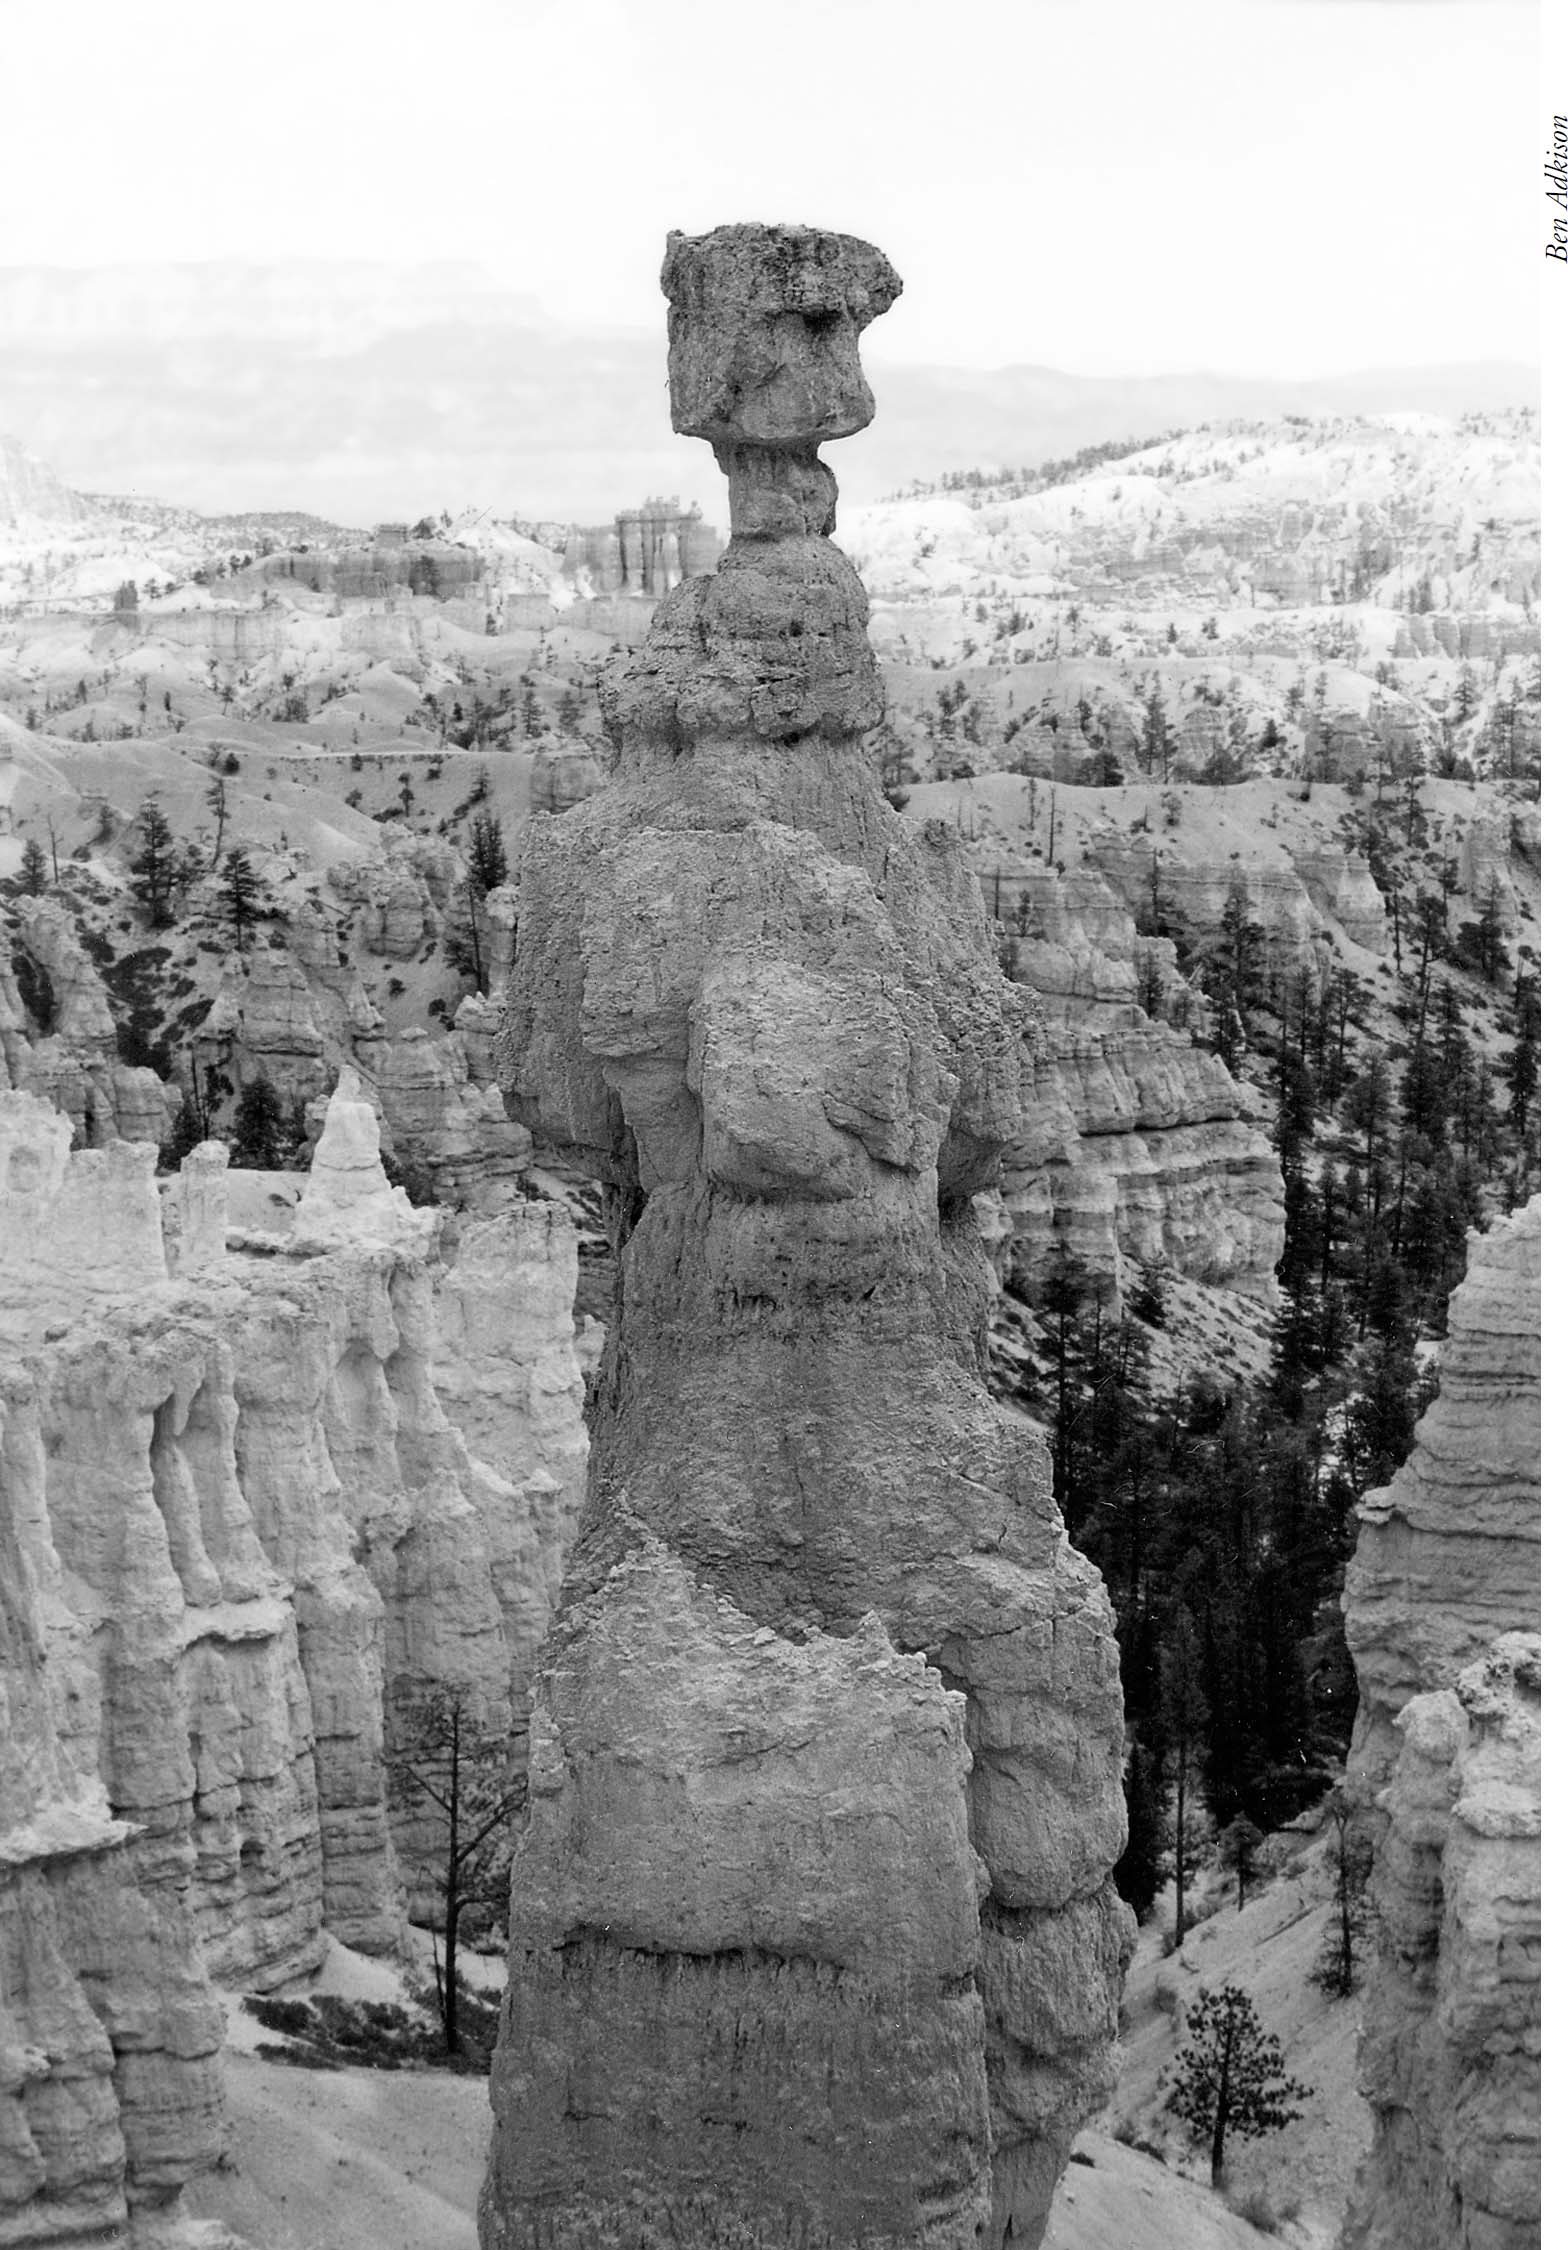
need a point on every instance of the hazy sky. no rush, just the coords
(1290, 187)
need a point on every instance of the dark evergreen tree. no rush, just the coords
(1184, 1713)
(1229, 2075)
(35, 867)
(1350, 1857)
(242, 895)
(1380, 1418)
(1064, 1289)
(1522, 1066)
(188, 1131)
(486, 863)
(259, 1140)
(1239, 1845)
(1138, 1869)
(1157, 739)
(218, 806)
(486, 870)
(1479, 944)
(155, 868)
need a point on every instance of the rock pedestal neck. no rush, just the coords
(813, 1937)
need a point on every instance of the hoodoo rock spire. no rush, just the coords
(813, 1936)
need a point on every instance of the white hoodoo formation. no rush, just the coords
(813, 1935)
(1442, 1612)
(239, 1533)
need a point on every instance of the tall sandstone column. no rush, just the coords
(1443, 1618)
(813, 1936)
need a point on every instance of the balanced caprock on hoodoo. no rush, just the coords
(813, 1934)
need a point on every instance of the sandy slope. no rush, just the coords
(349, 2159)
(1122, 2200)
(1269, 1949)
(371, 2160)
(379, 2160)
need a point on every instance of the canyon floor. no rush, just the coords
(358, 2159)
(369, 2160)
(348, 2159)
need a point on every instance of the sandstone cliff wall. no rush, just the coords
(1442, 1612)
(1135, 1145)
(240, 1538)
(1449, 1555)
(1291, 904)
(57, 1033)
(292, 1012)
(1451, 2039)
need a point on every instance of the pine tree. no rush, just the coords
(1060, 1295)
(1239, 1845)
(35, 867)
(1138, 1869)
(155, 867)
(259, 1139)
(1350, 1857)
(242, 895)
(1522, 1068)
(1184, 1712)
(218, 806)
(1157, 741)
(1230, 2075)
(456, 1762)
(187, 1132)
(487, 868)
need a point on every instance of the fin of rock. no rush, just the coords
(814, 1939)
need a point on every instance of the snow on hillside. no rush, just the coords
(1428, 489)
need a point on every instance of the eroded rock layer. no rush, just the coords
(1451, 2038)
(813, 1935)
(239, 1537)
(1449, 1555)
(1442, 1611)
